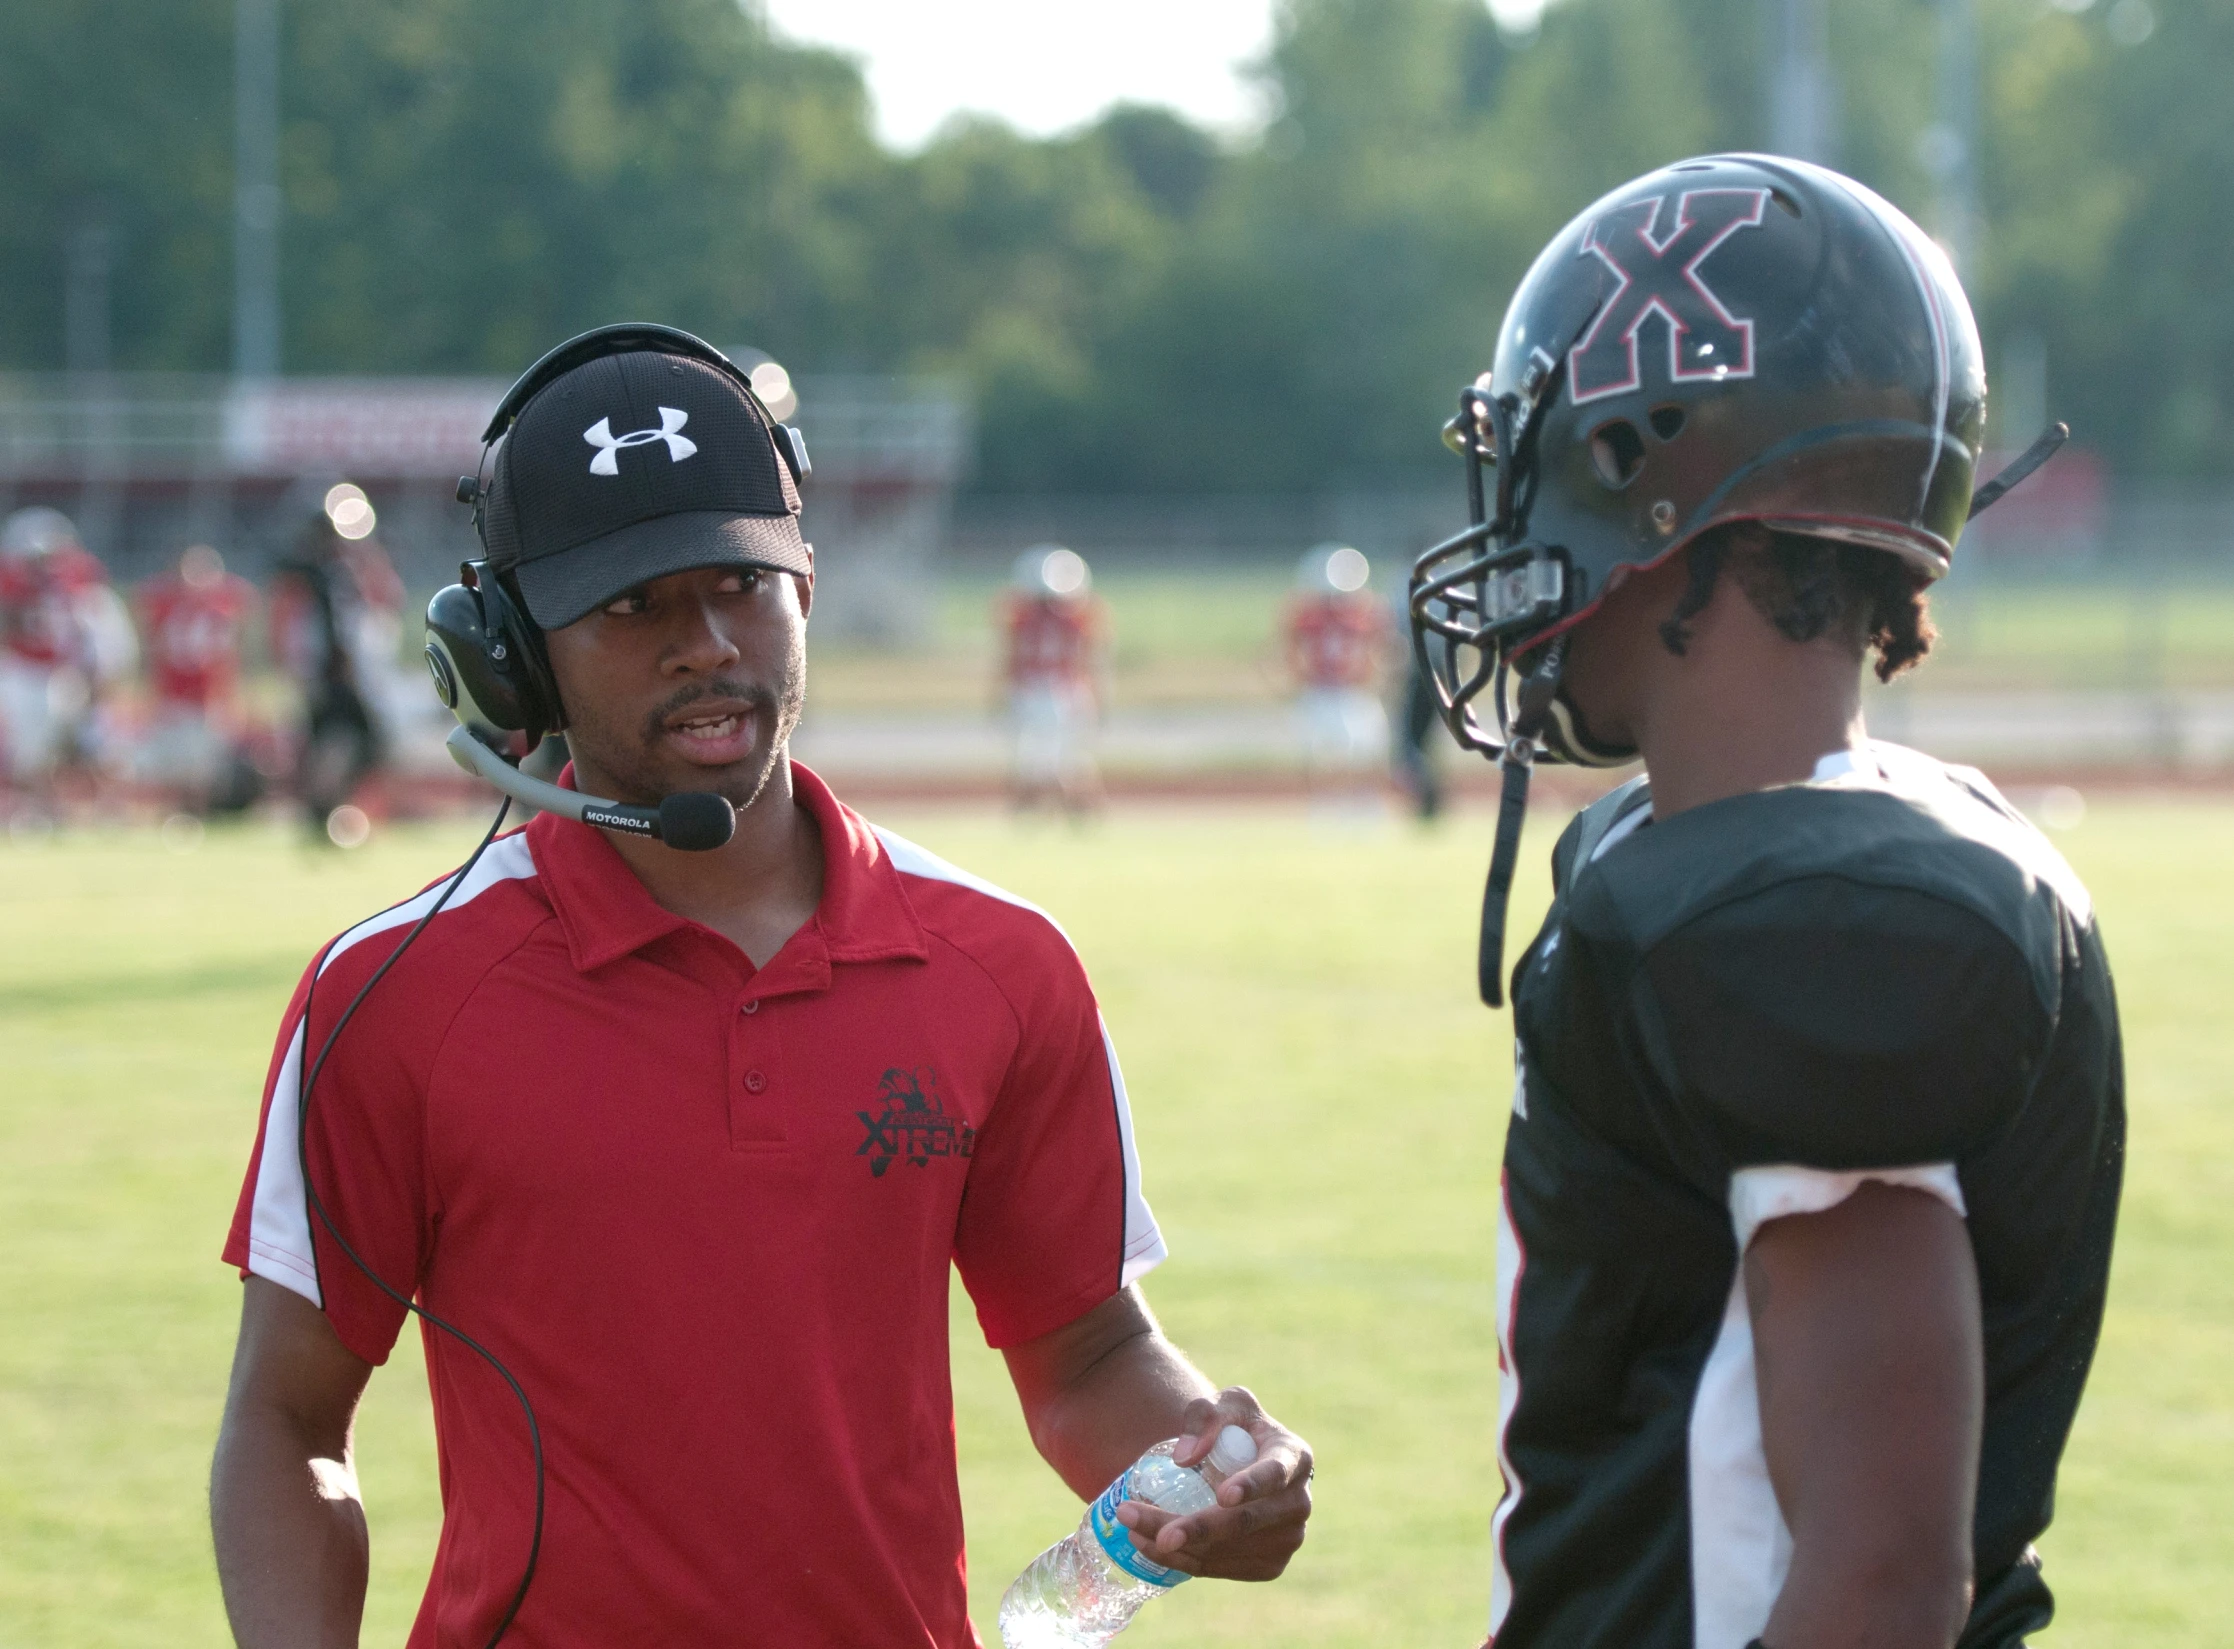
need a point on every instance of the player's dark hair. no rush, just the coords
(1703, 561)
(1809, 586)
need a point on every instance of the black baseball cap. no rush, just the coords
(630, 467)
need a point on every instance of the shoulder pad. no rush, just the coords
(1592, 824)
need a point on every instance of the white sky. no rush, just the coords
(1047, 65)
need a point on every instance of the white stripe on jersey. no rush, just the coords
(1144, 1244)
(909, 859)
(1740, 1547)
(279, 1245)
(1512, 1260)
(1621, 832)
(1144, 1248)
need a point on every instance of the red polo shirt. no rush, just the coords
(704, 1213)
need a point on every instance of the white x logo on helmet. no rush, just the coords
(607, 462)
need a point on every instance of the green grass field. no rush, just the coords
(1318, 1102)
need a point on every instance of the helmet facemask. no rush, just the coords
(1481, 595)
(1479, 602)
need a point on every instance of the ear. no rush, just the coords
(804, 583)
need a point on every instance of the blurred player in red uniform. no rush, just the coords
(193, 622)
(64, 637)
(1056, 634)
(1337, 639)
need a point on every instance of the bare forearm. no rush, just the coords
(292, 1546)
(1135, 1395)
(1837, 1602)
(1866, 1576)
(1098, 1391)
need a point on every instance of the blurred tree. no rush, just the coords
(1304, 326)
(465, 180)
(1347, 273)
(1351, 274)
(2109, 182)
(124, 110)
(1170, 162)
(1008, 261)
(1138, 305)
(477, 178)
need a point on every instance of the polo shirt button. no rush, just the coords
(753, 1006)
(754, 1082)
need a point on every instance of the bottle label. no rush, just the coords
(1117, 1541)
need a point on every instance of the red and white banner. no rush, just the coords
(366, 428)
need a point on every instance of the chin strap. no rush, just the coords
(2051, 440)
(1518, 765)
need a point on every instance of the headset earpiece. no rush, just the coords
(791, 446)
(486, 656)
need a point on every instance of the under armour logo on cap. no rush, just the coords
(607, 462)
(576, 529)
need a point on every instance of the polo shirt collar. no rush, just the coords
(864, 914)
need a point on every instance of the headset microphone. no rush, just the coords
(695, 822)
(488, 664)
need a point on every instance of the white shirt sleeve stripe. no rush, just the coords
(507, 860)
(279, 1243)
(1144, 1244)
(909, 859)
(279, 1248)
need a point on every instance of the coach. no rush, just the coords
(688, 1141)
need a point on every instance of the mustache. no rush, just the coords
(746, 695)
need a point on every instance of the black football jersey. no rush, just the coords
(1741, 1012)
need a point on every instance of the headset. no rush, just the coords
(487, 657)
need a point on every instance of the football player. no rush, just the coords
(1336, 634)
(1817, 1118)
(1056, 633)
(65, 639)
(194, 620)
(336, 617)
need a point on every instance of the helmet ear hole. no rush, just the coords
(1618, 452)
(1667, 422)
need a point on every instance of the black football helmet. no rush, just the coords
(1735, 338)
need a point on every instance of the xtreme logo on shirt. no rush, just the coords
(913, 1126)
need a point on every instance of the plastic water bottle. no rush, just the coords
(1085, 1589)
